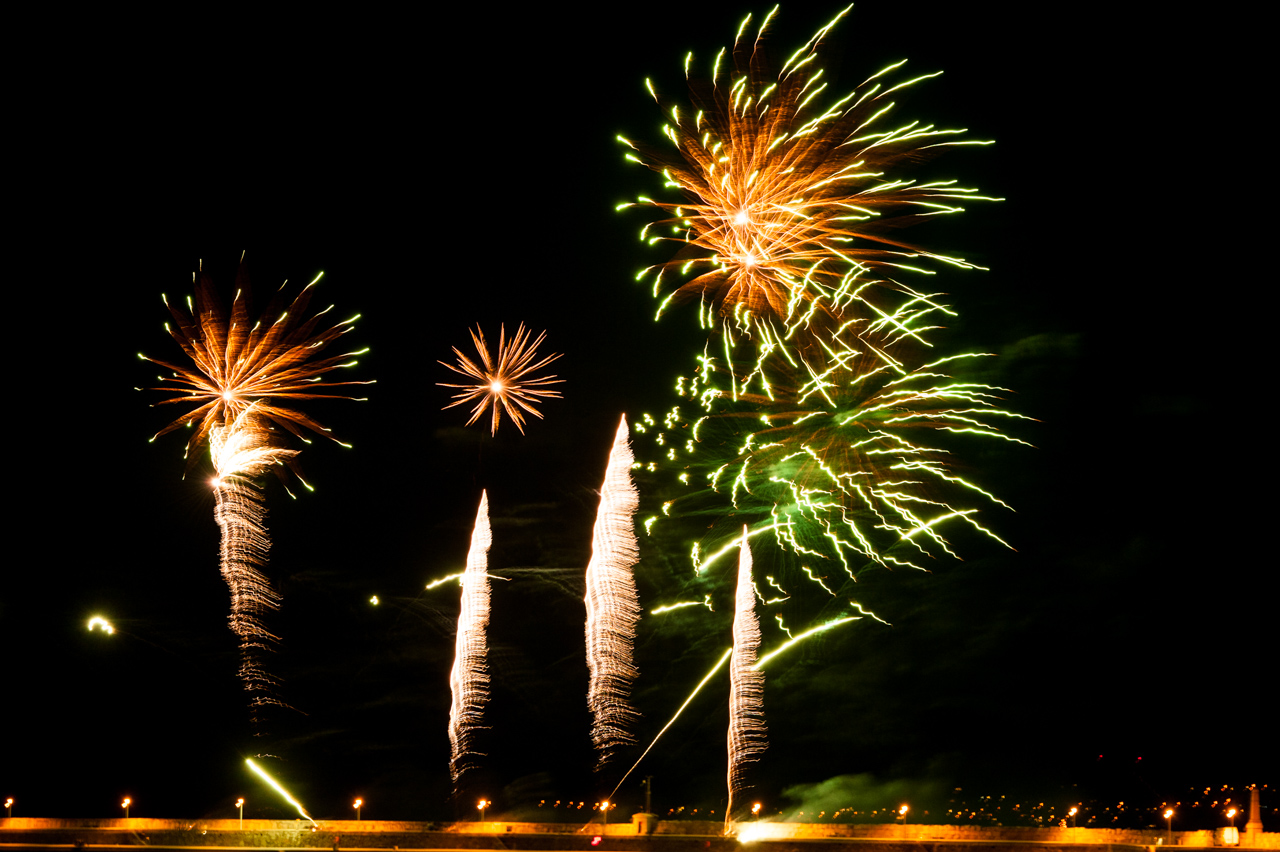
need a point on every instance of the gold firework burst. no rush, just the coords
(790, 205)
(504, 382)
(239, 363)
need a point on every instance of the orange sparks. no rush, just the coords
(504, 382)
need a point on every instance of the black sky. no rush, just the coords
(466, 171)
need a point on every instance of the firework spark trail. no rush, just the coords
(789, 202)
(850, 462)
(243, 371)
(469, 679)
(262, 773)
(505, 382)
(613, 606)
(724, 658)
(241, 452)
(705, 680)
(746, 682)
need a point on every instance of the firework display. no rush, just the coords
(504, 381)
(244, 372)
(240, 362)
(469, 679)
(612, 605)
(825, 425)
(822, 409)
(791, 206)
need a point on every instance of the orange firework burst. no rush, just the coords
(793, 205)
(241, 373)
(504, 382)
(240, 363)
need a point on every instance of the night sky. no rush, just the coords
(465, 171)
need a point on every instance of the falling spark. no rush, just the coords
(244, 375)
(504, 382)
(261, 773)
(746, 682)
(469, 679)
(613, 606)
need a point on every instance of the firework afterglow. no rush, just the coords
(469, 679)
(505, 381)
(612, 604)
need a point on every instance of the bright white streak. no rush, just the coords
(687, 702)
(282, 791)
(723, 659)
(746, 682)
(469, 680)
(613, 606)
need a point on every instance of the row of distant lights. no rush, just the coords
(357, 804)
(97, 622)
(598, 806)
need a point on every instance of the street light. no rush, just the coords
(484, 803)
(1168, 817)
(240, 807)
(755, 810)
(125, 804)
(8, 807)
(604, 809)
(357, 805)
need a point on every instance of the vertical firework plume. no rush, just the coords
(243, 373)
(241, 452)
(612, 603)
(746, 682)
(469, 680)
